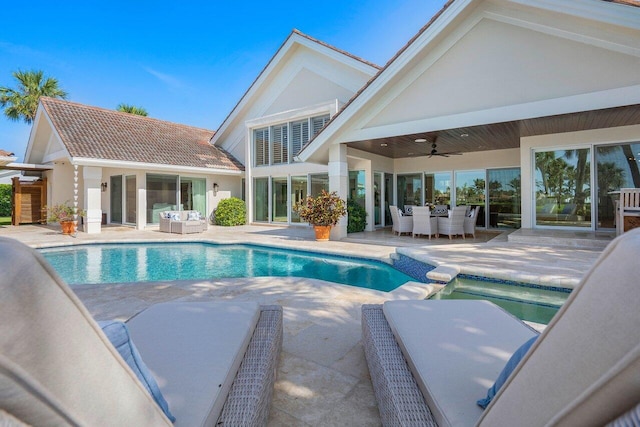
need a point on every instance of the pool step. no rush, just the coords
(443, 273)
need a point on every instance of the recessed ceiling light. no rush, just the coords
(384, 144)
(464, 135)
(421, 140)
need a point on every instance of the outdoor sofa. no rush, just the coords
(214, 362)
(431, 360)
(182, 222)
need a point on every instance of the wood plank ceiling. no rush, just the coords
(497, 136)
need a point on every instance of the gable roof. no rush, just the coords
(311, 147)
(95, 133)
(295, 37)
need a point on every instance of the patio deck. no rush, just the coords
(322, 376)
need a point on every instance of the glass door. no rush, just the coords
(377, 199)
(116, 199)
(388, 197)
(298, 193)
(563, 188)
(504, 202)
(279, 205)
(470, 191)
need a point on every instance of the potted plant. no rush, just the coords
(323, 212)
(63, 213)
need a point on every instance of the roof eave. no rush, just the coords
(88, 161)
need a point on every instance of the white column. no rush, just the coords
(91, 180)
(141, 200)
(339, 182)
(248, 176)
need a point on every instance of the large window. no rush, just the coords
(280, 143)
(319, 182)
(298, 193)
(504, 198)
(261, 146)
(193, 194)
(356, 187)
(261, 199)
(279, 199)
(116, 199)
(563, 189)
(162, 195)
(438, 188)
(470, 187)
(409, 190)
(617, 166)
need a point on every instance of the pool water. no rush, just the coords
(146, 262)
(534, 304)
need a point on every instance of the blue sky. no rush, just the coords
(186, 62)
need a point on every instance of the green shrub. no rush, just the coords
(357, 217)
(5, 199)
(231, 211)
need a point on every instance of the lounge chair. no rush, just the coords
(215, 362)
(431, 360)
(401, 223)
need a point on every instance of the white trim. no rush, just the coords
(548, 107)
(84, 161)
(293, 115)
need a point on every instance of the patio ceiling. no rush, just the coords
(497, 136)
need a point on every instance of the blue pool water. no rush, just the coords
(117, 263)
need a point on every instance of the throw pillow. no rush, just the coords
(448, 213)
(508, 369)
(193, 216)
(118, 334)
(400, 212)
(175, 216)
(471, 212)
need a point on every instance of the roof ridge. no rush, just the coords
(46, 99)
(332, 47)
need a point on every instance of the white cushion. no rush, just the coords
(53, 354)
(455, 349)
(194, 350)
(594, 332)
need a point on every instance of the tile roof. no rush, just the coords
(4, 153)
(98, 133)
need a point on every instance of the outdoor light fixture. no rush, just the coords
(103, 186)
(420, 140)
(215, 188)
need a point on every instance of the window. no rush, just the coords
(279, 202)
(261, 199)
(298, 194)
(319, 182)
(563, 191)
(162, 195)
(299, 136)
(317, 123)
(280, 144)
(409, 190)
(261, 146)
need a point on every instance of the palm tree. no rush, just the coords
(22, 103)
(132, 109)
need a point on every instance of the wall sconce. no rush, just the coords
(103, 186)
(215, 189)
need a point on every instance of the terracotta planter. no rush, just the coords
(68, 227)
(322, 232)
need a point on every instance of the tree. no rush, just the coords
(132, 109)
(22, 103)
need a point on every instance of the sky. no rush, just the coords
(187, 62)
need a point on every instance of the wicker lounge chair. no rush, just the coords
(580, 370)
(215, 362)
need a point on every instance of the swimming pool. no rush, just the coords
(147, 262)
(527, 302)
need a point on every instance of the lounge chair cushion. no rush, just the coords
(508, 369)
(192, 356)
(475, 338)
(56, 365)
(580, 368)
(118, 334)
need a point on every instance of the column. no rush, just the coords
(91, 179)
(339, 182)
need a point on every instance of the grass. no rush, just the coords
(5, 220)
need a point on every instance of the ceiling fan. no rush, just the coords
(434, 151)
